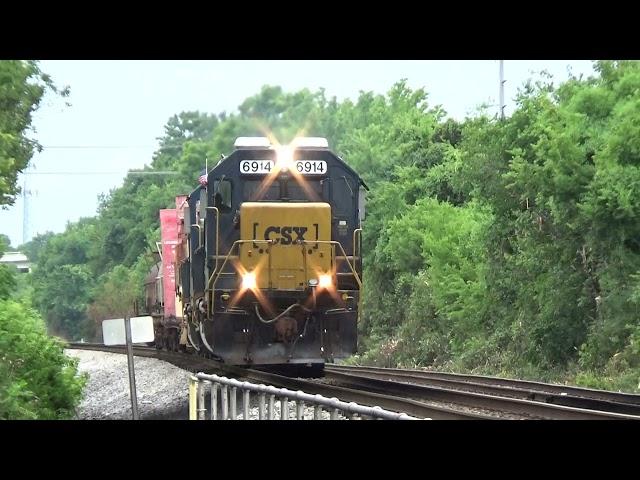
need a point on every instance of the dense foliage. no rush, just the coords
(7, 274)
(500, 246)
(37, 381)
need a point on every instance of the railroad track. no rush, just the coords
(361, 385)
(196, 363)
(569, 396)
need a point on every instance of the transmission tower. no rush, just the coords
(502, 80)
(25, 208)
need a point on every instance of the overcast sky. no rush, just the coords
(125, 105)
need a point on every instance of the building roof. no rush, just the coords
(14, 257)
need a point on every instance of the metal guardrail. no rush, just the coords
(267, 394)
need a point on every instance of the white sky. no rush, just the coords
(127, 103)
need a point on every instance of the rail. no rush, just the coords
(228, 388)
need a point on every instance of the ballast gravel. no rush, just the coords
(162, 389)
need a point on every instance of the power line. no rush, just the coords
(97, 146)
(26, 193)
(129, 172)
(73, 173)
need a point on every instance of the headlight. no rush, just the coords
(325, 281)
(284, 155)
(249, 281)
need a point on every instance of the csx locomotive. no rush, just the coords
(262, 262)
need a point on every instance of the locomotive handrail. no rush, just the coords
(215, 209)
(334, 242)
(212, 281)
(210, 294)
(199, 227)
(355, 232)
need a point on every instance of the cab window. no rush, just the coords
(222, 195)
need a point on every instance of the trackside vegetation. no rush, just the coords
(37, 381)
(496, 246)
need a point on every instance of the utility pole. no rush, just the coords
(502, 80)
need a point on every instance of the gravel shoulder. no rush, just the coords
(162, 388)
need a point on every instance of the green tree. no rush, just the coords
(504, 246)
(22, 86)
(63, 279)
(5, 243)
(33, 247)
(7, 274)
(7, 281)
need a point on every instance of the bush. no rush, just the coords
(37, 380)
(7, 280)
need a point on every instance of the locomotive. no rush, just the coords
(261, 265)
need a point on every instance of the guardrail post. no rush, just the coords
(350, 414)
(261, 401)
(193, 385)
(245, 398)
(284, 408)
(234, 414)
(225, 402)
(299, 410)
(378, 409)
(334, 409)
(201, 407)
(272, 399)
(214, 401)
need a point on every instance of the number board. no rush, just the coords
(256, 167)
(264, 167)
(311, 167)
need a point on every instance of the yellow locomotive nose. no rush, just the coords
(287, 251)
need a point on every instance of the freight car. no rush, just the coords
(262, 262)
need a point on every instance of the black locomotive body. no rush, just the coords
(268, 265)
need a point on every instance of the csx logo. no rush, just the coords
(285, 235)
